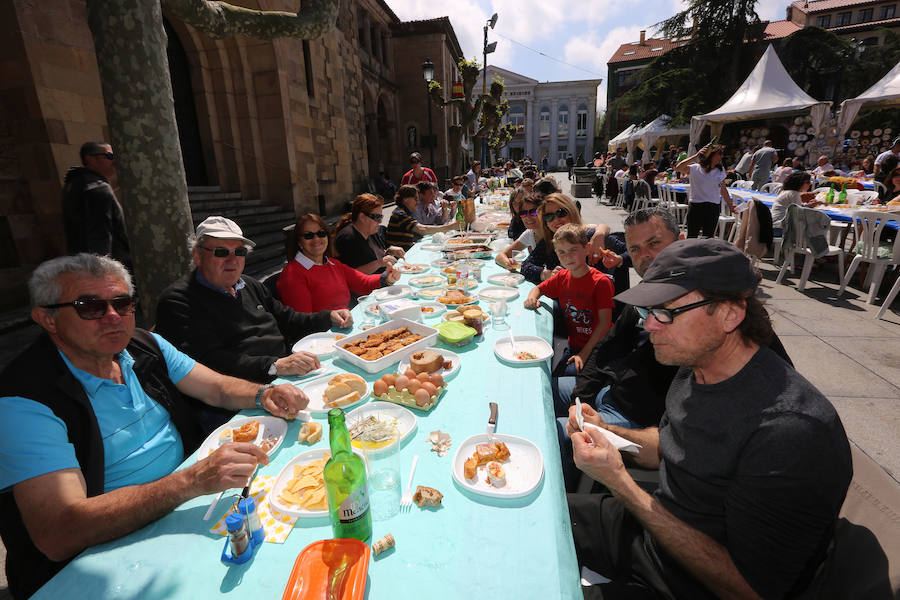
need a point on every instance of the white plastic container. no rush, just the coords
(401, 309)
(429, 336)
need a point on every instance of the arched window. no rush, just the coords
(562, 125)
(545, 122)
(581, 127)
(516, 116)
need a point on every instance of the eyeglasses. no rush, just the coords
(667, 315)
(220, 252)
(108, 155)
(528, 212)
(310, 234)
(549, 217)
(91, 308)
(373, 216)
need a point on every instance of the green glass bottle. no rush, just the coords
(829, 197)
(842, 197)
(345, 484)
(460, 217)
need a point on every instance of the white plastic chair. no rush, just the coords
(801, 246)
(744, 184)
(641, 195)
(725, 219)
(868, 225)
(771, 188)
(878, 187)
(620, 199)
(890, 299)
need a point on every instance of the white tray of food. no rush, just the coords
(424, 281)
(529, 350)
(507, 279)
(366, 419)
(326, 392)
(522, 471)
(269, 434)
(391, 292)
(427, 337)
(446, 373)
(282, 505)
(321, 344)
(493, 293)
(436, 309)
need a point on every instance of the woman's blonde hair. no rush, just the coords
(564, 202)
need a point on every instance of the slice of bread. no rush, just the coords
(426, 496)
(335, 391)
(344, 400)
(354, 382)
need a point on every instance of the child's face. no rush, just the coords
(571, 256)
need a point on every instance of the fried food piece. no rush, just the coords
(357, 350)
(371, 355)
(246, 432)
(470, 468)
(502, 452)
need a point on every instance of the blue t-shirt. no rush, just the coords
(140, 441)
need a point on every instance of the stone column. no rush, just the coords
(573, 121)
(529, 129)
(591, 116)
(554, 123)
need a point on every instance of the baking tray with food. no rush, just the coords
(378, 348)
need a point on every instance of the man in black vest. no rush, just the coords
(93, 424)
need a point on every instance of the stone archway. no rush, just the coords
(185, 112)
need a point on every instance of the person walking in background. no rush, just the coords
(761, 164)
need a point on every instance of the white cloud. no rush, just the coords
(593, 52)
(772, 10)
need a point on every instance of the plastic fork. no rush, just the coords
(406, 500)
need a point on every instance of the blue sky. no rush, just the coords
(583, 34)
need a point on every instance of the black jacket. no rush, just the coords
(40, 374)
(241, 336)
(92, 216)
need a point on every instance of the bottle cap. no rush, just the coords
(247, 506)
(234, 522)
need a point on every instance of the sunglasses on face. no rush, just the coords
(559, 213)
(667, 315)
(312, 234)
(91, 308)
(220, 252)
(528, 212)
(373, 216)
(107, 155)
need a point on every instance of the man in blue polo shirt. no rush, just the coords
(93, 423)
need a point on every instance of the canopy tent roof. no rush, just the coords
(620, 139)
(767, 92)
(647, 136)
(884, 93)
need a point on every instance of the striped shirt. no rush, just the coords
(400, 229)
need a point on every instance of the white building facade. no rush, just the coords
(554, 119)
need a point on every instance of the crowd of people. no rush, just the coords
(754, 464)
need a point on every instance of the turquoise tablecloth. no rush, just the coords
(472, 547)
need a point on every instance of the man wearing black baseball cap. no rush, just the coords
(754, 462)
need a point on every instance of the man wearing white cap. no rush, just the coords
(229, 321)
(754, 462)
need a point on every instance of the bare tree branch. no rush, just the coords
(220, 19)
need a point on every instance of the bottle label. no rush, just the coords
(355, 506)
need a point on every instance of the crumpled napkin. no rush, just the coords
(618, 441)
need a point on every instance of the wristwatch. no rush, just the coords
(273, 369)
(259, 393)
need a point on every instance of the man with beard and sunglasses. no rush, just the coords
(230, 322)
(94, 421)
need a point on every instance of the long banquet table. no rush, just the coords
(472, 546)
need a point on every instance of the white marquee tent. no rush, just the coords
(884, 93)
(620, 139)
(648, 135)
(767, 92)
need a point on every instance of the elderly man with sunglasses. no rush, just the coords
(754, 462)
(91, 214)
(229, 321)
(94, 420)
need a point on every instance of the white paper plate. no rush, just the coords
(430, 293)
(507, 279)
(372, 309)
(316, 390)
(412, 268)
(450, 313)
(320, 344)
(392, 292)
(274, 426)
(287, 473)
(406, 420)
(524, 343)
(439, 309)
(425, 281)
(498, 292)
(453, 357)
(432, 247)
(499, 245)
(524, 469)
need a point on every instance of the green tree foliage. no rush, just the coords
(817, 59)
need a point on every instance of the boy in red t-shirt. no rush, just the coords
(584, 293)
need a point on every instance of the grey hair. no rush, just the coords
(45, 288)
(645, 214)
(195, 242)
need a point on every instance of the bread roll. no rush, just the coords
(426, 496)
(344, 400)
(335, 391)
(354, 382)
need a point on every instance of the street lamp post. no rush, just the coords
(488, 49)
(428, 72)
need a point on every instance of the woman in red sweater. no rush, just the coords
(312, 280)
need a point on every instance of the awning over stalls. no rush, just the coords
(884, 93)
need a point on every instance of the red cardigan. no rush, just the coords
(322, 287)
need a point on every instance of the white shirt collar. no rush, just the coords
(307, 262)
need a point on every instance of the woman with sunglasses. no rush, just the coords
(558, 210)
(403, 230)
(528, 213)
(707, 178)
(312, 280)
(359, 239)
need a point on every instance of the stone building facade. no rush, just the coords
(553, 119)
(300, 124)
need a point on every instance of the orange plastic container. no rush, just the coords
(329, 569)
